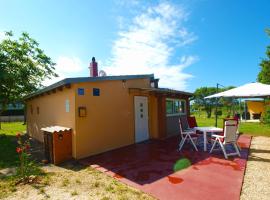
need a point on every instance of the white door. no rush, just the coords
(141, 118)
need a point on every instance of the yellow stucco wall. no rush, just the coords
(52, 111)
(109, 123)
(153, 117)
(255, 107)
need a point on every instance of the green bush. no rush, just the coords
(266, 116)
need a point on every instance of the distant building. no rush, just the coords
(255, 108)
(13, 112)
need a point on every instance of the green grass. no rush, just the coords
(8, 155)
(250, 128)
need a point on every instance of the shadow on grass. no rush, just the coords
(8, 154)
(73, 165)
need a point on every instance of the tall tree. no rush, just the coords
(23, 67)
(206, 104)
(264, 74)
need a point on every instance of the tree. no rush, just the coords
(206, 104)
(228, 103)
(264, 77)
(23, 67)
(264, 74)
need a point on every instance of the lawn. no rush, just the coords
(250, 128)
(8, 155)
(65, 182)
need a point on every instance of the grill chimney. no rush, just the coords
(93, 68)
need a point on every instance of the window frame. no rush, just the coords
(174, 113)
(80, 91)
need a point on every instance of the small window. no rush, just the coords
(175, 107)
(80, 91)
(96, 92)
(67, 105)
(38, 110)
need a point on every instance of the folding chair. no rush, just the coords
(192, 121)
(187, 134)
(235, 118)
(229, 137)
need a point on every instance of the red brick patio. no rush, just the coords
(148, 166)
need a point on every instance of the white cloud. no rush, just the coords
(148, 44)
(65, 67)
(66, 64)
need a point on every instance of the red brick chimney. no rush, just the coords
(93, 68)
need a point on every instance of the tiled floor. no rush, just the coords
(149, 166)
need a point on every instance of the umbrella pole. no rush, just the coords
(216, 108)
(240, 101)
(245, 110)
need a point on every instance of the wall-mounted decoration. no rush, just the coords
(80, 91)
(82, 111)
(96, 92)
(67, 105)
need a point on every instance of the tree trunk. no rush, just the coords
(25, 114)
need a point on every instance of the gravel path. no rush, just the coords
(76, 184)
(257, 177)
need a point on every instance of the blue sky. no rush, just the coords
(187, 44)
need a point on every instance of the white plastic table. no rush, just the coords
(206, 130)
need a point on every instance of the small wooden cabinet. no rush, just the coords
(57, 144)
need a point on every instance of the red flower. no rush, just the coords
(27, 146)
(19, 150)
(18, 135)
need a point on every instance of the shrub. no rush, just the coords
(27, 168)
(266, 116)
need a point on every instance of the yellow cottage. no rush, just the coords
(107, 112)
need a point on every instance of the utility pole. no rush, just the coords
(217, 103)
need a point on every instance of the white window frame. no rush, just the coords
(176, 114)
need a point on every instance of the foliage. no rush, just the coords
(218, 113)
(27, 170)
(206, 104)
(266, 115)
(23, 66)
(23, 151)
(200, 103)
(8, 155)
(264, 74)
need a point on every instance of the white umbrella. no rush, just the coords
(245, 91)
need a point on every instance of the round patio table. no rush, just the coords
(206, 130)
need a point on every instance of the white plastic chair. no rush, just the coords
(229, 137)
(187, 135)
